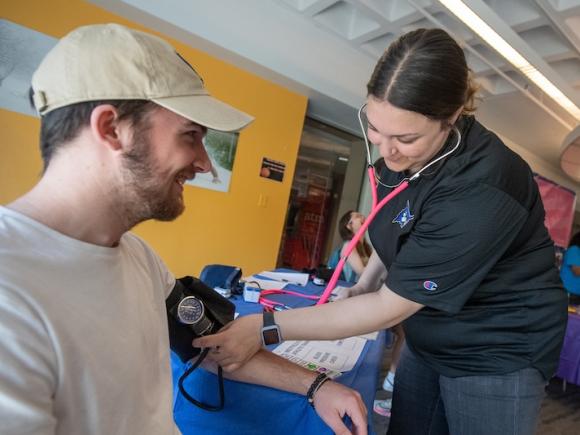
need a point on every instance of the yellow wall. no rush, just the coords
(227, 228)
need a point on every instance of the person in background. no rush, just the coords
(83, 321)
(470, 264)
(570, 269)
(348, 225)
(372, 279)
(354, 269)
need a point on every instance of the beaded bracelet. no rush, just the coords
(320, 379)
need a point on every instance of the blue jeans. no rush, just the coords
(427, 403)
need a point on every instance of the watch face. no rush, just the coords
(190, 310)
(271, 335)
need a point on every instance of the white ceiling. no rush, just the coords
(326, 49)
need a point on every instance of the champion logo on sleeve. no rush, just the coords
(430, 286)
(404, 216)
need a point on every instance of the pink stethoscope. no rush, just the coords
(376, 207)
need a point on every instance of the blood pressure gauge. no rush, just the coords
(191, 311)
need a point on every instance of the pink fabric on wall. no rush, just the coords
(559, 203)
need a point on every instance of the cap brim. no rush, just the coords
(207, 111)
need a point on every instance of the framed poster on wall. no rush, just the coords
(21, 50)
(221, 149)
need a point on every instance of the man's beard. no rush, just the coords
(147, 195)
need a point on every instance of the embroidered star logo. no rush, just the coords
(404, 216)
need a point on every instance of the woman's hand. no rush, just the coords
(349, 292)
(235, 343)
(341, 293)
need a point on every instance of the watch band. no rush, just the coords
(269, 318)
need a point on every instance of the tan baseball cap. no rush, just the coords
(113, 62)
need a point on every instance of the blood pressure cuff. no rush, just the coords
(218, 310)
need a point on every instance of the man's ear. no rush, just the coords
(105, 126)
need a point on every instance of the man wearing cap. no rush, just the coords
(84, 346)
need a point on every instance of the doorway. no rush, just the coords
(327, 182)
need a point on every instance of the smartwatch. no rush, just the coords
(270, 331)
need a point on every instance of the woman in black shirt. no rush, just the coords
(468, 261)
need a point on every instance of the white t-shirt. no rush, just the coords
(84, 345)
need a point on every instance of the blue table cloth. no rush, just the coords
(256, 410)
(569, 368)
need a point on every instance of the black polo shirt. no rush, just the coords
(468, 241)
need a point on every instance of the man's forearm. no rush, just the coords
(268, 369)
(331, 400)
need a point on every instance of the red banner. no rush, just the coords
(303, 248)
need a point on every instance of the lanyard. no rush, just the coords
(272, 305)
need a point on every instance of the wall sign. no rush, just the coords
(272, 169)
